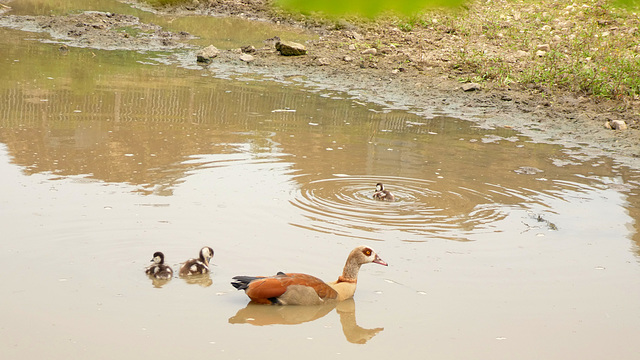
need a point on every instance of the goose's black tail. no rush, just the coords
(242, 282)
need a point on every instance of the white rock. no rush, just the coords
(617, 125)
(369, 51)
(544, 47)
(471, 87)
(207, 54)
(247, 58)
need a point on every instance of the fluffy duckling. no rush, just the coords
(198, 266)
(159, 270)
(382, 194)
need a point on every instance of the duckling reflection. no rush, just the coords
(158, 283)
(260, 315)
(203, 280)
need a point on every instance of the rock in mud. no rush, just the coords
(207, 54)
(290, 48)
(322, 62)
(471, 87)
(616, 125)
(249, 49)
(369, 51)
(247, 58)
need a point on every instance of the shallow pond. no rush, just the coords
(498, 247)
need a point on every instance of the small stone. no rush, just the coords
(290, 48)
(369, 51)
(354, 35)
(352, 47)
(348, 58)
(247, 58)
(541, 53)
(322, 62)
(521, 54)
(471, 87)
(617, 125)
(207, 54)
(544, 47)
(249, 49)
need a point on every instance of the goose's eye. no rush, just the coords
(367, 252)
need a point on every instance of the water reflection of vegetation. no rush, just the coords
(224, 32)
(113, 119)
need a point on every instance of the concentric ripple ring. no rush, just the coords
(344, 205)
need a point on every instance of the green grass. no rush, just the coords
(594, 47)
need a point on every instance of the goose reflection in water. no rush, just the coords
(260, 315)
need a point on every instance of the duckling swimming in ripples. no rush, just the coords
(159, 270)
(382, 194)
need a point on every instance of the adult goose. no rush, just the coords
(303, 289)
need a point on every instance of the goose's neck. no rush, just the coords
(350, 271)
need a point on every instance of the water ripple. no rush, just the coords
(344, 205)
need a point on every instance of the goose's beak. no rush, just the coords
(377, 260)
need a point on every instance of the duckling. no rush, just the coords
(382, 194)
(198, 266)
(159, 270)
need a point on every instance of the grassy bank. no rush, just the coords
(584, 46)
(581, 46)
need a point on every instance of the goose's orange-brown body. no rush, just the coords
(265, 290)
(303, 289)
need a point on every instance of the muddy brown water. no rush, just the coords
(498, 247)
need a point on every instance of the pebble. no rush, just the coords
(471, 87)
(616, 125)
(207, 54)
(247, 58)
(544, 47)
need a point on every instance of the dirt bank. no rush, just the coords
(420, 68)
(380, 62)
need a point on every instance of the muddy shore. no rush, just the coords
(408, 70)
